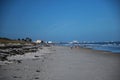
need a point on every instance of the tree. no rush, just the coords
(28, 39)
(18, 39)
(23, 39)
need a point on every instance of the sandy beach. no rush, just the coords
(62, 63)
(29, 66)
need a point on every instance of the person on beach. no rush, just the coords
(71, 47)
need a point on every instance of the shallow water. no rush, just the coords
(105, 47)
(112, 48)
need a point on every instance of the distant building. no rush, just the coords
(49, 42)
(38, 41)
(74, 42)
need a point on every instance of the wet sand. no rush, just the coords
(63, 63)
(82, 64)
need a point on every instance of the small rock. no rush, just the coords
(36, 56)
(43, 60)
(37, 70)
(36, 77)
(16, 77)
(17, 69)
(17, 61)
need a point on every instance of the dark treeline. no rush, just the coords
(27, 39)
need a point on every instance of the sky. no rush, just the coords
(60, 20)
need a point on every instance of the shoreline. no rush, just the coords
(36, 65)
(91, 49)
(32, 50)
(82, 64)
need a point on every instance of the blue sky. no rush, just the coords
(60, 20)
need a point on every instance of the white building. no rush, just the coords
(49, 42)
(74, 42)
(38, 41)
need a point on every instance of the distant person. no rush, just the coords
(71, 47)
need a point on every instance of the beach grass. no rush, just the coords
(6, 41)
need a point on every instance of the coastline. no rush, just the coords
(96, 50)
(41, 64)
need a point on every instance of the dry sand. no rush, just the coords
(63, 63)
(29, 67)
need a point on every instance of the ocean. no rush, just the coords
(111, 48)
(104, 47)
